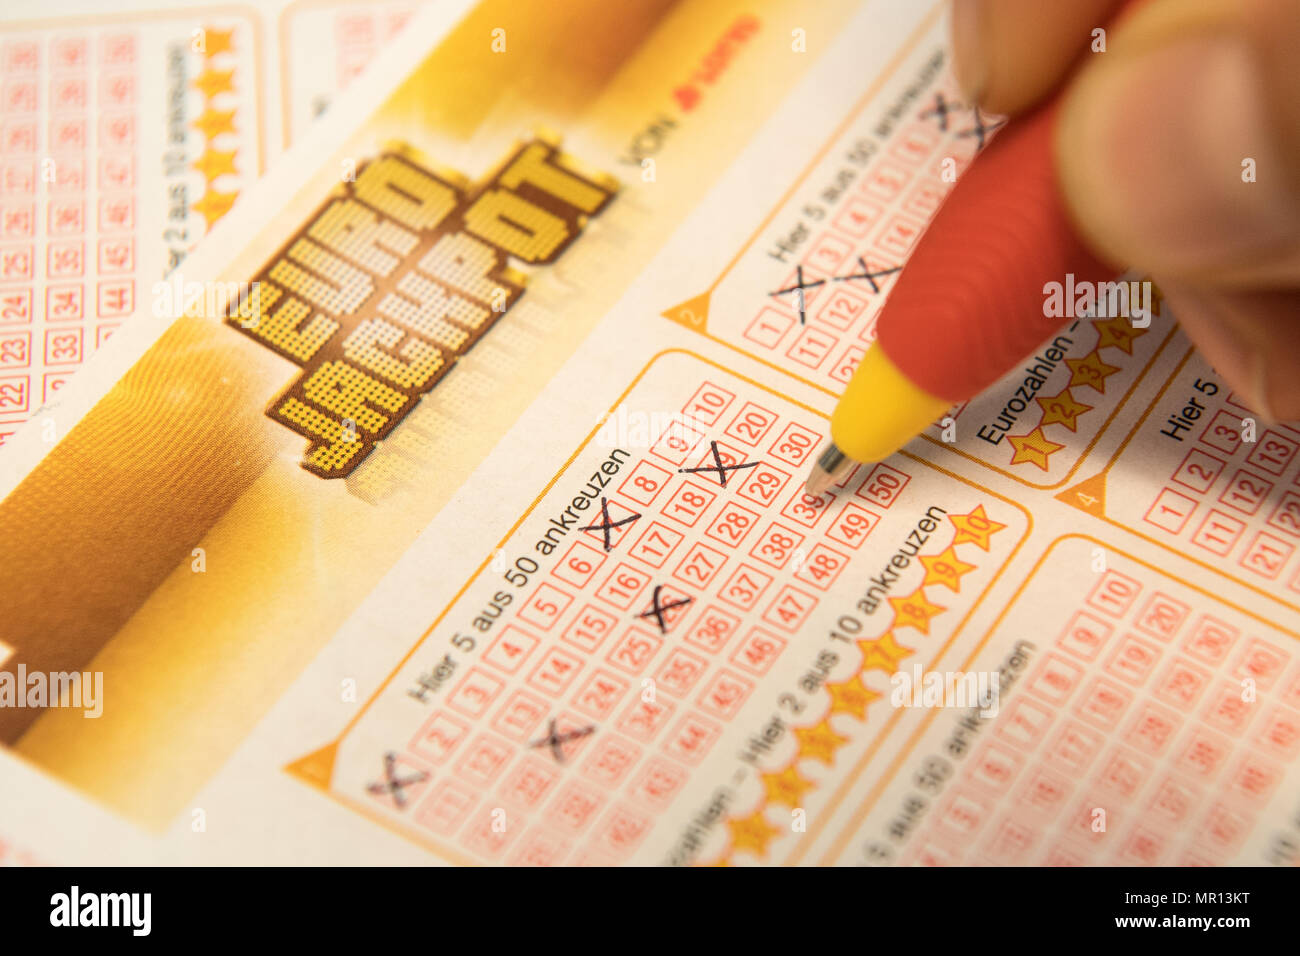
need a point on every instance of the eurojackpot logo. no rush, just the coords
(398, 275)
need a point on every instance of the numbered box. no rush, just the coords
(623, 586)
(645, 482)
(688, 503)
(438, 737)
(751, 425)
(769, 327)
(821, 567)
(795, 445)
(713, 629)
(1170, 511)
(600, 694)
(475, 693)
(883, 485)
(545, 607)
(811, 348)
(762, 484)
(634, 651)
(656, 544)
(758, 651)
(510, 649)
(745, 586)
(579, 564)
(700, 566)
(708, 403)
(1218, 533)
(1114, 593)
(589, 628)
(853, 525)
(1198, 471)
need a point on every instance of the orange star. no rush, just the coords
(216, 162)
(212, 123)
(1034, 448)
(786, 787)
(1091, 371)
(851, 697)
(819, 742)
(212, 82)
(976, 527)
(214, 205)
(217, 41)
(915, 610)
(945, 569)
(1117, 331)
(882, 654)
(752, 833)
(1063, 409)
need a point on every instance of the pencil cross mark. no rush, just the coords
(979, 129)
(605, 526)
(798, 289)
(868, 275)
(718, 466)
(657, 609)
(556, 740)
(940, 111)
(393, 785)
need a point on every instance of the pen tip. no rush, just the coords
(818, 481)
(831, 464)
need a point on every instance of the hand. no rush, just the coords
(1153, 141)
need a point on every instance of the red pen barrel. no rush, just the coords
(970, 303)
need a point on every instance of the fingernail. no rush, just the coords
(1161, 146)
(968, 54)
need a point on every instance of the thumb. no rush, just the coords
(1178, 148)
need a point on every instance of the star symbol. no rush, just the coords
(915, 610)
(883, 653)
(945, 569)
(787, 787)
(851, 697)
(212, 123)
(214, 205)
(752, 833)
(1117, 331)
(217, 41)
(1063, 409)
(1033, 447)
(976, 527)
(1091, 371)
(216, 162)
(819, 742)
(212, 82)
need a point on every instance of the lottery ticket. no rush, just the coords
(464, 499)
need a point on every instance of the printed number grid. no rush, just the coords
(754, 558)
(84, 217)
(68, 105)
(1233, 503)
(1133, 706)
(874, 224)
